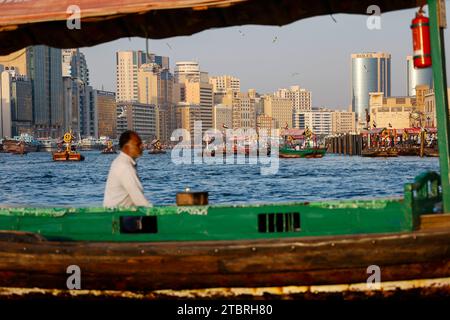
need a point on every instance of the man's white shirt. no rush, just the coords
(123, 187)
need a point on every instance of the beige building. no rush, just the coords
(343, 122)
(280, 109)
(105, 102)
(200, 93)
(187, 70)
(222, 83)
(222, 117)
(148, 83)
(186, 115)
(244, 113)
(301, 98)
(17, 59)
(127, 67)
(265, 122)
(429, 112)
(392, 112)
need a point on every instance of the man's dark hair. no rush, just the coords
(125, 137)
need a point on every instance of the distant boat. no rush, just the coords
(380, 152)
(47, 144)
(14, 145)
(109, 149)
(70, 153)
(156, 147)
(300, 144)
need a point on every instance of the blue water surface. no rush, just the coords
(35, 180)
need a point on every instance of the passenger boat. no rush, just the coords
(24, 141)
(285, 246)
(300, 144)
(47, 144)
(70, 153)
(156, 147)
(109, 149)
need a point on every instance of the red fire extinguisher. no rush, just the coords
(420, 27)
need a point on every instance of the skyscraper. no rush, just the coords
(371, 72)
(74, 65)
(185, 70)
(415, 77)
(43, 66)
(127, 66)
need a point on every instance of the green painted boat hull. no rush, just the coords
(286, 152)
(231, 222)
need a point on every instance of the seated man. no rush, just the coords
(123, 187)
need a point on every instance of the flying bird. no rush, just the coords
(169, 46)
(274, 39)
(295, 74)
(242, 34)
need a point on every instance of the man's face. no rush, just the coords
(134, 147)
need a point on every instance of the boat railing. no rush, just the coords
(424, 195)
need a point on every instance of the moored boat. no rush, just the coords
(300, 144)
(380, 152)
(21, 144)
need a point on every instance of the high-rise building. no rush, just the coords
(280, 110)
(138, 117)
(185, 70)
(127, 66)
(5, 105)
(319, 120)
(106, 107)
(148, 83)
(301, 98)
(74, 65)
(200, 93)
(244, 112)
(371, 72)
(222, 117)
(222, 83)
(43, 67)
(415, 77)
(186, 115)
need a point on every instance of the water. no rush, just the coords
(35, 180)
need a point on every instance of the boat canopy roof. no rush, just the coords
(33, 22)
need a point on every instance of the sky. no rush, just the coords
(313, 53)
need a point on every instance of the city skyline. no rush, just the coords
(249, 53)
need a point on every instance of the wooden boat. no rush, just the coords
(109, 149)
(228, 246)
(286, 152)
(431, 152)
(156, 147)
(69, 154)
(252, 246)
(18, 146)
(380, 152)
(300, 144)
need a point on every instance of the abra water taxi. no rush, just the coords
(300, 144)
(69, 154)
